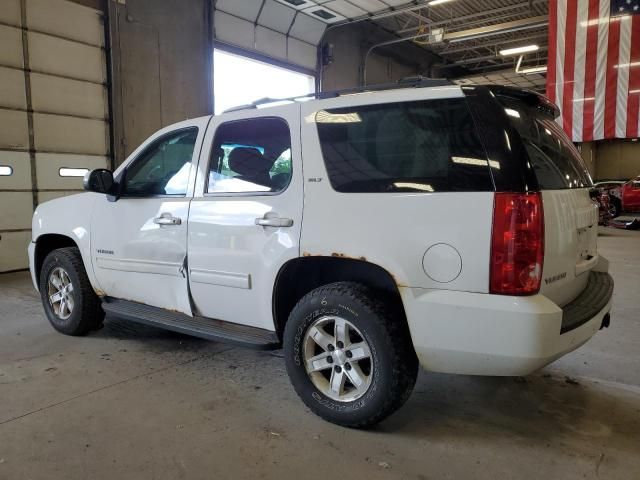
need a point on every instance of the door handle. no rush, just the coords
(167, 219)
(274, 222)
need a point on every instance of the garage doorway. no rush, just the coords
(240, 80)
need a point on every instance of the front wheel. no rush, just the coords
(69, 301)
(348, 358)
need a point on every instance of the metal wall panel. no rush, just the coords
(247, 9)
(271, 43)
(307, 29)
(301, 53)
(70, 97)
(10, 12)
(14, 133)
(276, 16)
(54, 55)
(11, 47)
(66, 106)
(272, 34)
(16, 210)
(13, 250)
(66, 19)
(59, 133)
(12, 93)
(48, 167)
(233, 30)
(21, 177)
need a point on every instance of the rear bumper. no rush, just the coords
(482, 334)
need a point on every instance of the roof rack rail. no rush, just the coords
(409, 82)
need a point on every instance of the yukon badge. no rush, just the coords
(555, 278)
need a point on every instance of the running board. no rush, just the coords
(202, 327)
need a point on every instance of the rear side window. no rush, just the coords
(556, 162)
(428, 145)
(251, 156)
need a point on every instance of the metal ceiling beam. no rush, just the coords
(484, 68)
(492, 43)
(481, 32)
(523, 5)
(498, 28)
(465, 61)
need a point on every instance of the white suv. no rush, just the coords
(367, 233)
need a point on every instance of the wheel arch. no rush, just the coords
(301, 275)
(47, 243)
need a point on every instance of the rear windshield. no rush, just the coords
(420, 146)
(556, 162)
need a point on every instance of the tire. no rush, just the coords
(83, 311)
(390, 371)
(614, 207)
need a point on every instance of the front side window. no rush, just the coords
(163, 168)
(251, 156)
(421, 146)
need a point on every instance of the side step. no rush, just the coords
(202, 327)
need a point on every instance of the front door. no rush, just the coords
(139, 242)
(246, 214)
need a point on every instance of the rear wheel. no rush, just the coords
(615, 207)
(348, 358)
(69, 301)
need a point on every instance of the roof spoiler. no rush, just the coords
(528, 96)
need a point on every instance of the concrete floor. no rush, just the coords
(139, 403)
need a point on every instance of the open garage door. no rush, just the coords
(53, 111)
(278, 30)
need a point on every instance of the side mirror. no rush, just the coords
(99, 180)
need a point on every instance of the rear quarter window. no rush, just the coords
(422, 146)
(556, 162)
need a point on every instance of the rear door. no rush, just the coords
(570, 215)
(245, 218)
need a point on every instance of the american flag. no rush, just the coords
(593, 71)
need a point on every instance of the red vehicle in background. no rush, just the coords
(630, 193)
(623, 196)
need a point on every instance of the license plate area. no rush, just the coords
(586, 250)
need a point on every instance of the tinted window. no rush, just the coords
(163, 168)
(556, 162)
(414, 146)
(251, 155)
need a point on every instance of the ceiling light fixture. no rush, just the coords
(519, 50)
(530, 70)
(433, 3)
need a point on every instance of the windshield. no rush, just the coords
(556, 162)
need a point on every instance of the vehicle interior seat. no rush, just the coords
(250, 165)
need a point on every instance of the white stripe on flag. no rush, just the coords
(579, 70)
(560, 45)
(623, 76)
(601, 70)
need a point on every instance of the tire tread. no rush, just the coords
(398, 344)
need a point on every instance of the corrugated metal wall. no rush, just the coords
(53, 110)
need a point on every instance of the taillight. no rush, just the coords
(517, 244)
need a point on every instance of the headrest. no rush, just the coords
(248, 161)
